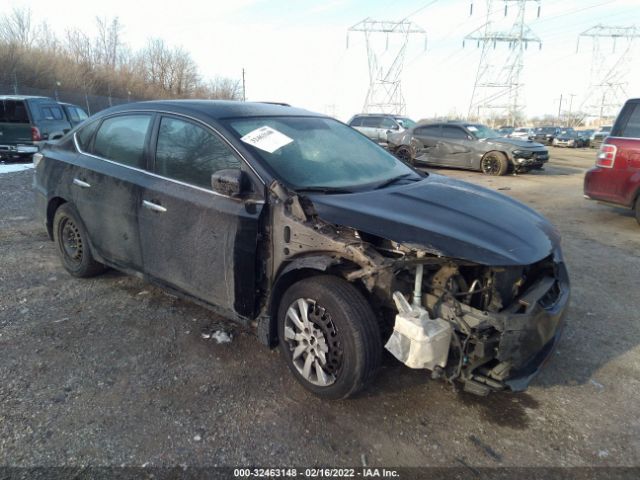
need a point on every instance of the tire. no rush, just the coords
(637, 209)
(404, 154)
(494, 163)
(342, 345)
(72, 241)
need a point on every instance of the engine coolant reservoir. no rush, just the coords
(417, 340)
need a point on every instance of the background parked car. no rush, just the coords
(569, 138)
(523, 133)
(505, 131)
(75, 115)
(545, 135)
(599, 135)
(467, 145)
(585, 135)
(27, 121)
(616, 176)
(377, 126)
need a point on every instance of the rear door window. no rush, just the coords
(190, 153)
(428, 131)
(628, 124)
(122, 139)
(453, 132)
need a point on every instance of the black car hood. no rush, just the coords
(446, 217)
(514, 142)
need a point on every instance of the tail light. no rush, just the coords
(35, 134)
(606, 156)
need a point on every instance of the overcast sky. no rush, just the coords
(296, 51)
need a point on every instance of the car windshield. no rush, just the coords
(482, 131)
(406, 122)
(319, 153)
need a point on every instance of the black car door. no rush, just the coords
(454, 149)
(194, 239)
(106, 185)
(427, 138)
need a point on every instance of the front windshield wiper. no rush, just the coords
(393, 180)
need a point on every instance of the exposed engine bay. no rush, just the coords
(487, 328)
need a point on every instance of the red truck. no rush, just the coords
(615, 179)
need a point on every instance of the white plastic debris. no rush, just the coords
(418, 341)
(221, 336)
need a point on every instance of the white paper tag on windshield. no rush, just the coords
(471, 128)
(267, 139)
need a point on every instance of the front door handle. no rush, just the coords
(80, 183)
(153, 206)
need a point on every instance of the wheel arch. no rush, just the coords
(52, 206)
(293, 271)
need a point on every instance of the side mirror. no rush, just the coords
(231, 182)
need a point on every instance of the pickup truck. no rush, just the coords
(26, 122)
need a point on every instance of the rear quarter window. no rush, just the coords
(51, 112)
(85, 134)
(356, 122)
(372, 122)
(628, 123)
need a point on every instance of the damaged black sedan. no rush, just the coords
(301, 228)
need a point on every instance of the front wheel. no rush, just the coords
(404, 154)
(637, 209)
(494, 163)
(329, 336)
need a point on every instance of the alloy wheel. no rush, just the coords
(313, 340)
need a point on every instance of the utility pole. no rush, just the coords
(386, 61)
(570, 119)
(609, 69)
(560, 110)
(244, 92)
(497, 84)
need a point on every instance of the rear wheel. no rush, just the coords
(329, 336)
(72, 241)
(494, 163)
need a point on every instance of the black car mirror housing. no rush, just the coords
(231, 182)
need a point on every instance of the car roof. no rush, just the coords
(24, 97)
(390, 115)
(215, 109)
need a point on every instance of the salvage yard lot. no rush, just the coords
(112, 371)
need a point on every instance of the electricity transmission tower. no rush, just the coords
(497, 85)
(609, 69)
(386, 61)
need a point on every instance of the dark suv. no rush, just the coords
(296, 225)
(616, 177)
(25, 122)
(467, 145)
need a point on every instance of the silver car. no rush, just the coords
(378, 126)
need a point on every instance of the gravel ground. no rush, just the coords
(112, 371)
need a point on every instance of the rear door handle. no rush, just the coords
(153, 206)
(80, 183)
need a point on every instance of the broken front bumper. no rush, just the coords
(530, 331)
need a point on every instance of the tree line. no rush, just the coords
(100, 64)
